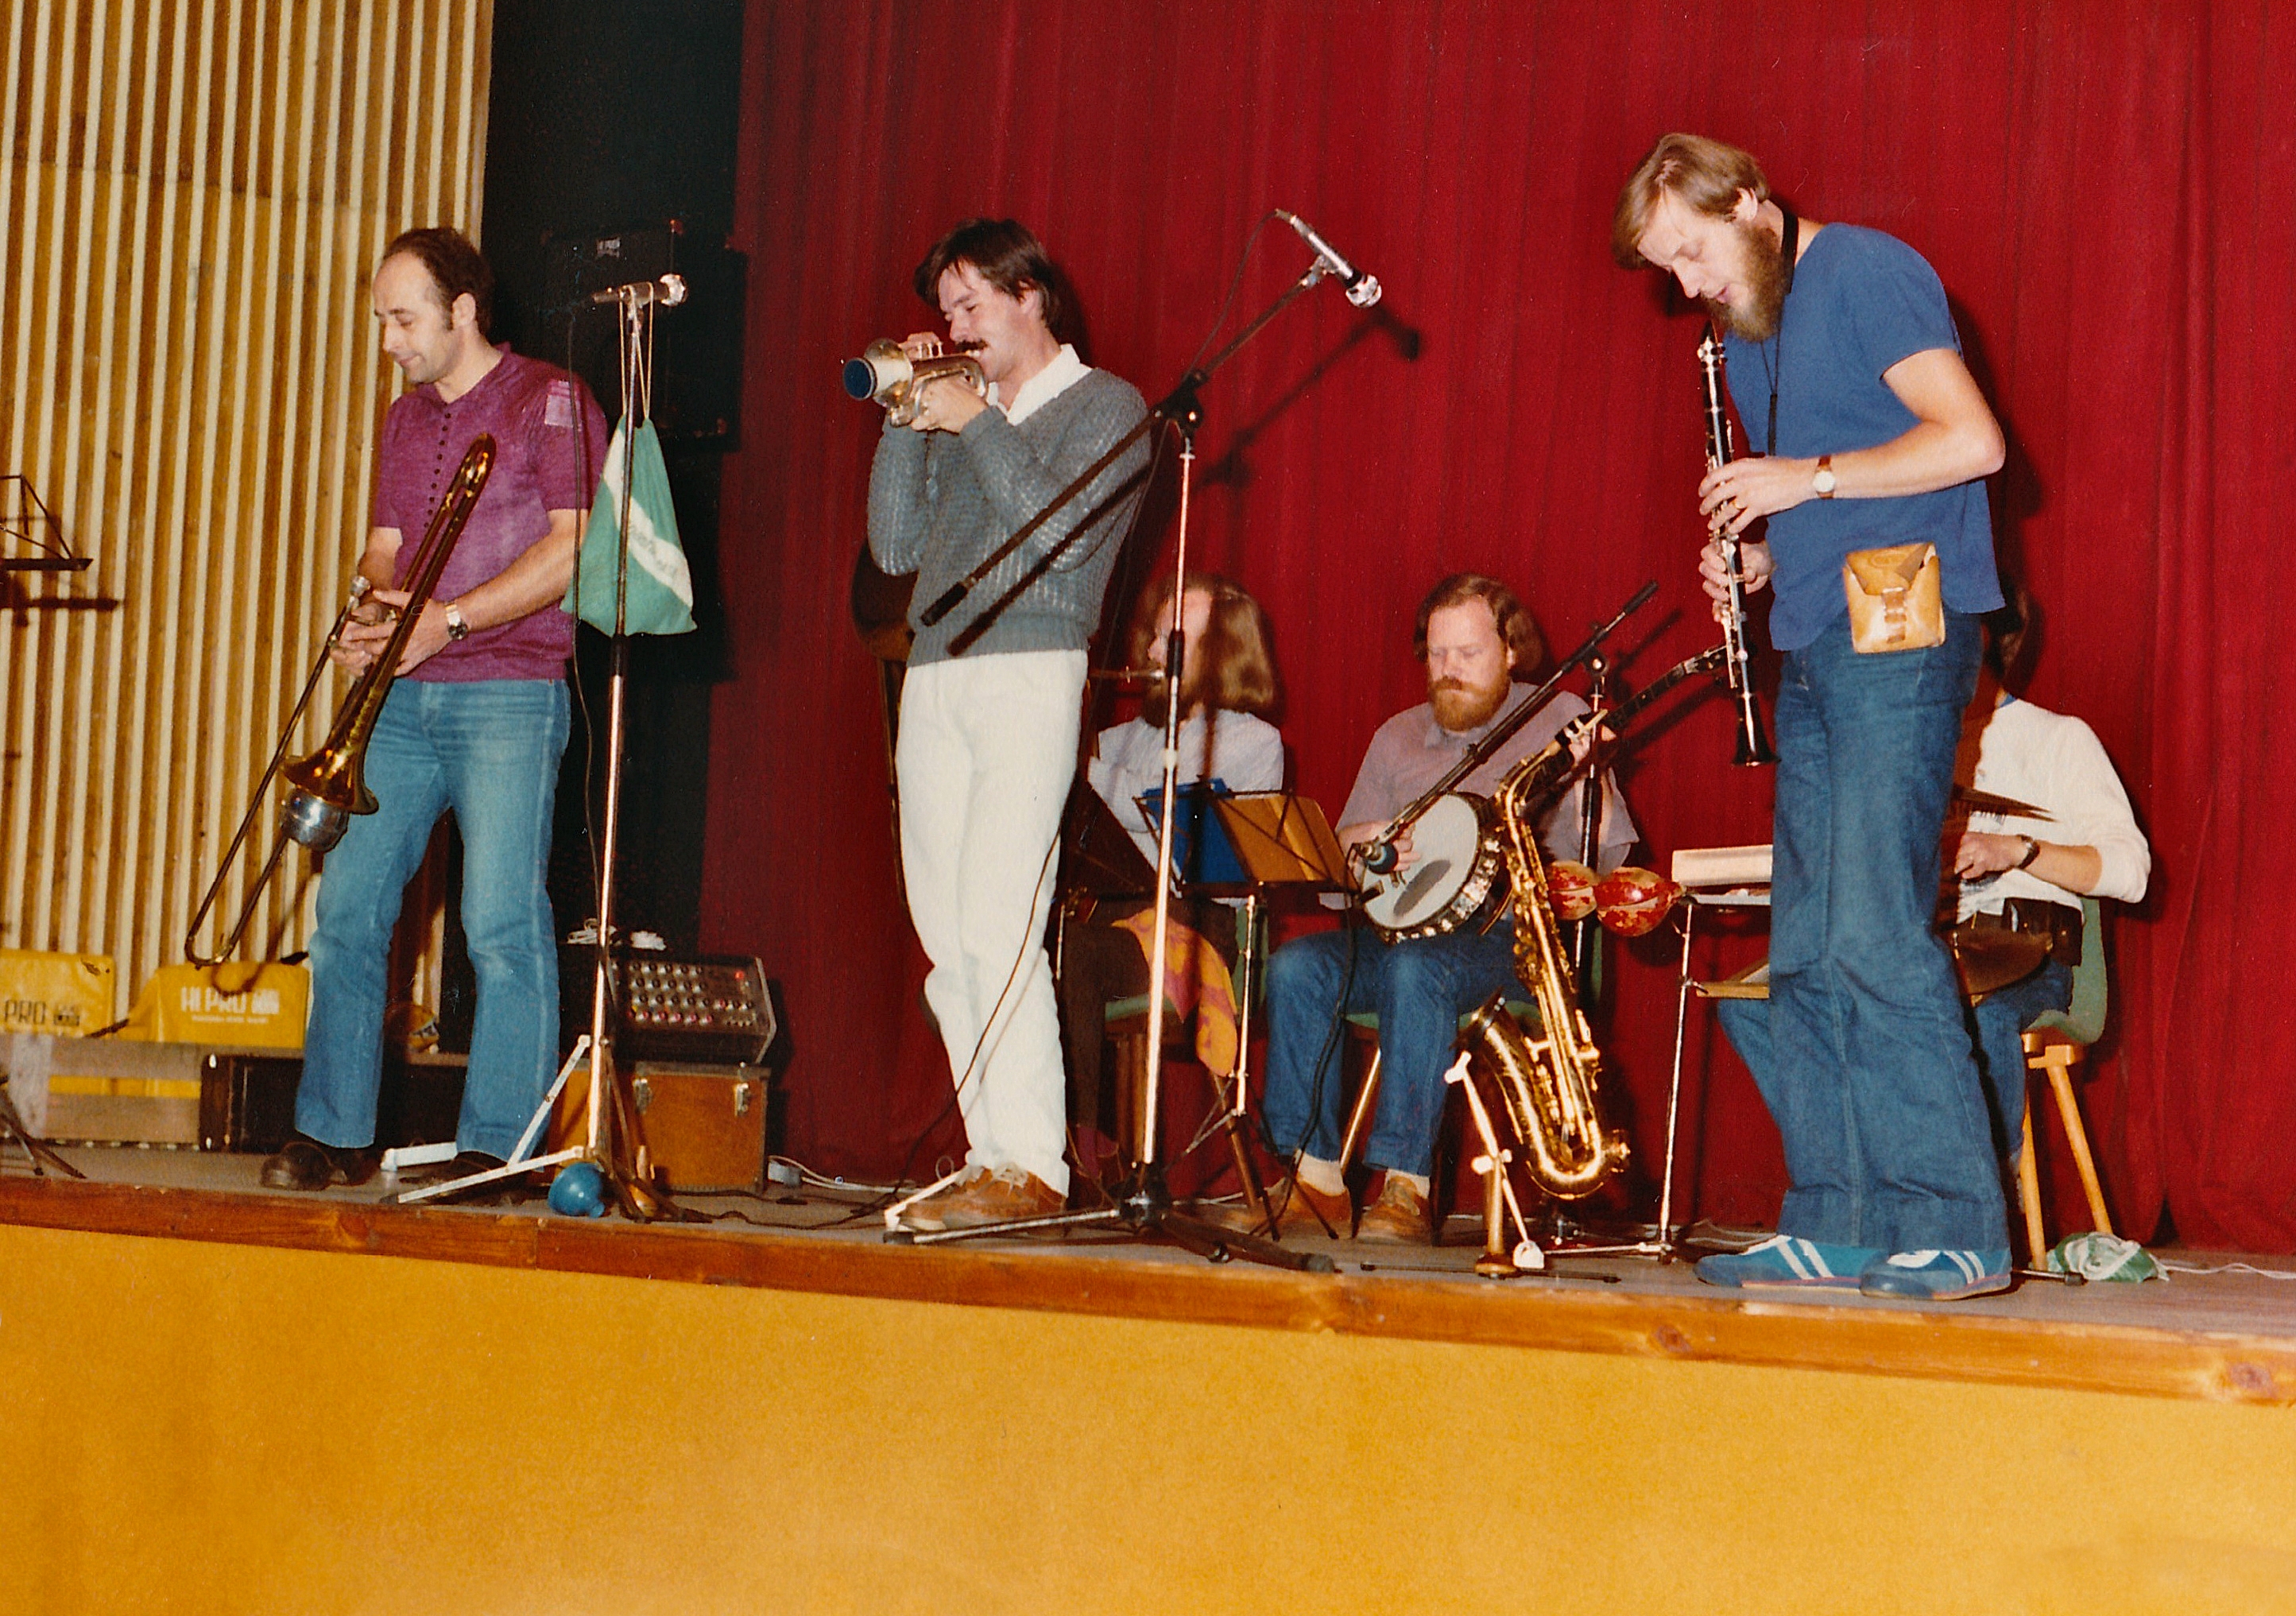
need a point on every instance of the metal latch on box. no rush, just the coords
(641, 1094)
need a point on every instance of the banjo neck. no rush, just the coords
(1526, 776)
(1474, 757)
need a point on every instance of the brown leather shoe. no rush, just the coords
(1003, 1196)
(1298, 1215)
(929, 1216)
(1399, 1216)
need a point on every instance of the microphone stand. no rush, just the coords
(1584, 941)
(1143, 1205)
(615, 1158)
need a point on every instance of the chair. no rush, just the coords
(2053, 1044)
(1124, 1022)
(1362, 1028)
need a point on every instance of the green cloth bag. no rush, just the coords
(661, 587)
(2104, 1256)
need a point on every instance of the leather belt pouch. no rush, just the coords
(2061, 923)
(1896, 600)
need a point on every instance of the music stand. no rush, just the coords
(55, 552)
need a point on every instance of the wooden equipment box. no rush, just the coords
(704, 1125)
(113, 1091)
(247, 1100)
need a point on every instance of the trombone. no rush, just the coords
(327, 787)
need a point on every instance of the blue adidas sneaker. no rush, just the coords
(1788, 1262)
(1937, 1275)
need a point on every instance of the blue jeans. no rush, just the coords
(1420, 990)
(1999, 1024)
(1996, 1024)
(489, 750)
(1873, 1087)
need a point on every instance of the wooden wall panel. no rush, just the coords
(192, 194)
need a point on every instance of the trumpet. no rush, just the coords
(329, 787)
(886, 376)
(1753, 745)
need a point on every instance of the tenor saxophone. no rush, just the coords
(1545, 1084)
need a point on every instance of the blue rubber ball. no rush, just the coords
(579, 1192)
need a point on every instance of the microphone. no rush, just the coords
(1363, 290)
(669, 292)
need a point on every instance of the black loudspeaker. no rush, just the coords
(247, 1100)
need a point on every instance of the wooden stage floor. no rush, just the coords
(226, 1399)
(2222, 1337)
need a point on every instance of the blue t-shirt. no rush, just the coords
(1861, 302)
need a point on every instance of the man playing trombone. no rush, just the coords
(475, 722)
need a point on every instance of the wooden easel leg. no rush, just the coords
(1254, 1194)
(1359, 1119)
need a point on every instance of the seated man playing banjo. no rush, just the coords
(1477, 641)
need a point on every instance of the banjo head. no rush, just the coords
(1449, 881)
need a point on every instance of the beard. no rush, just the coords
(1763, 285)
(1459, 707)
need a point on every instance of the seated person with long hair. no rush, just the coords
(2010, 873)
(1227, 682)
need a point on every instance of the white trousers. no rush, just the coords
(986, 752)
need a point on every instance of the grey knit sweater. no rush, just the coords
(938, 503)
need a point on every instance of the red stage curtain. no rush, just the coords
(2107, 190)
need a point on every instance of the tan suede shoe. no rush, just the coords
(1003, 1196)
(1298, 1216)
(1399, 1216)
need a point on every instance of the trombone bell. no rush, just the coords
(310, 823)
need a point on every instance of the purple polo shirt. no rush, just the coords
(550, 440)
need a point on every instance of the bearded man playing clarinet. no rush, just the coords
(1846, 368)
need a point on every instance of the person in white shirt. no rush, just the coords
(2017, 873)
(1227, 683)
(2029, 874)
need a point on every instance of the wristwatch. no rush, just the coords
(457, 631)
(2033, 851)
(1822, 479)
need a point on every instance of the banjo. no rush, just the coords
(1457, 876)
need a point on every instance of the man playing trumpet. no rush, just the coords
(988, 735)
(475, 722)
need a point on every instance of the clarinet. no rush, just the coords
(1753, 745)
